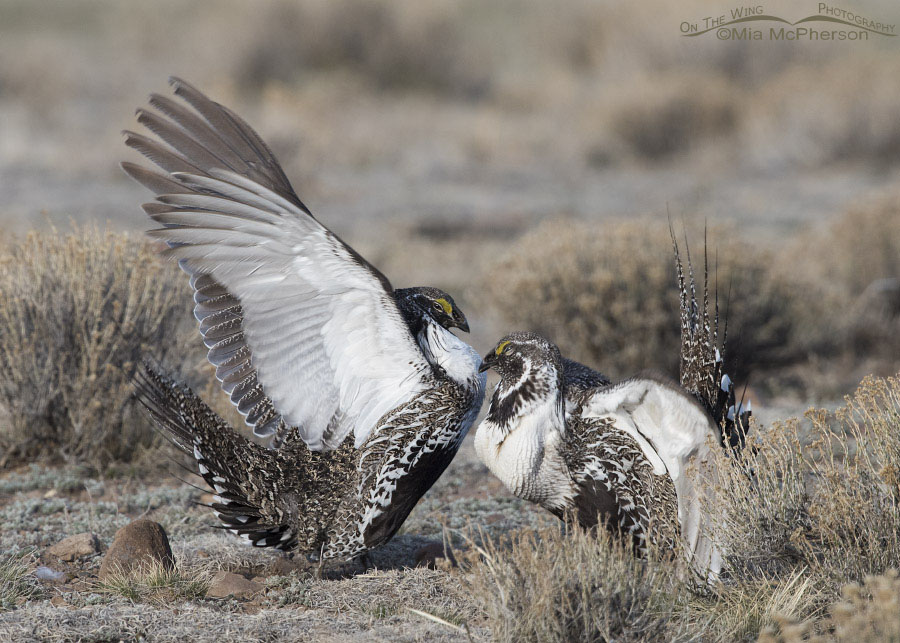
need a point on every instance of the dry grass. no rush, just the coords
(77, 314)
(818, 500)
(868, 612)
(806, 510)
(544, 585)
(156, 584)
(856, 261)
(16, 582)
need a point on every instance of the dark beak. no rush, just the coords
(489, 360)
(460, 322)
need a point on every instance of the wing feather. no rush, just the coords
(298, 325)
(675, 434)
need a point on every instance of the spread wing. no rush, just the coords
(674, 432)
(299, 326)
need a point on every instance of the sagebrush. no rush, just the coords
(78, 312)
(607, 295)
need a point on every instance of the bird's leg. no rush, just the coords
(366, 561)
(320, 568)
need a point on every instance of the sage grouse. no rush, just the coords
(364, 390)
(630, 455)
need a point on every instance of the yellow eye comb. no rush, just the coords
(501, 346)
(445, 305)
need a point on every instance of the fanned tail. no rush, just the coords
(702, 365)
(238, 470)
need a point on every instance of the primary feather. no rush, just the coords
(310, 342)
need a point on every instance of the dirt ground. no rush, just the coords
(40, 506)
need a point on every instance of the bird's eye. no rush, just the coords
(437, 306)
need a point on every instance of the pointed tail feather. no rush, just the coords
(702, 365)
(235, 468)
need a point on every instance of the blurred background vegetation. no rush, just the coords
(523, 156)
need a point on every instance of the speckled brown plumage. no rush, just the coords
(338, 503)
(616, 484)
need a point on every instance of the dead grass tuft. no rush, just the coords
(544, 585)
(156, 584)
(820, 497)
(868, 612)
(16, 582)
(77, 313)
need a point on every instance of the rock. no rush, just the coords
(430, 555)
(283, 566)
(228, 584)
(75, 547)
(48, 575)
(141, 543)
(58, 601)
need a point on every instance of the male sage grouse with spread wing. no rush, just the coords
(630, 455)
(365, 391)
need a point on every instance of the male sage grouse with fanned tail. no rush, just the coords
(633, 455)
(364, 390)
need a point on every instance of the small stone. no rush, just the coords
(229, 584)
(282, 566)
(433, 555)
(58, 601)
(49, 575)
(139, 544)
(75, 547)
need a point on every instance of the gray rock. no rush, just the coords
(137, 545)
(49, 575)
(75, 547)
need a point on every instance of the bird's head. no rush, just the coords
(520, 352)
(433, 304)
(530, 369)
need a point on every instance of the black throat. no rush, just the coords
(411, 314)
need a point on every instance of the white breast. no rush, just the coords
(526, 456)
(457, 359)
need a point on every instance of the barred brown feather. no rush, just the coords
(702, 356)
